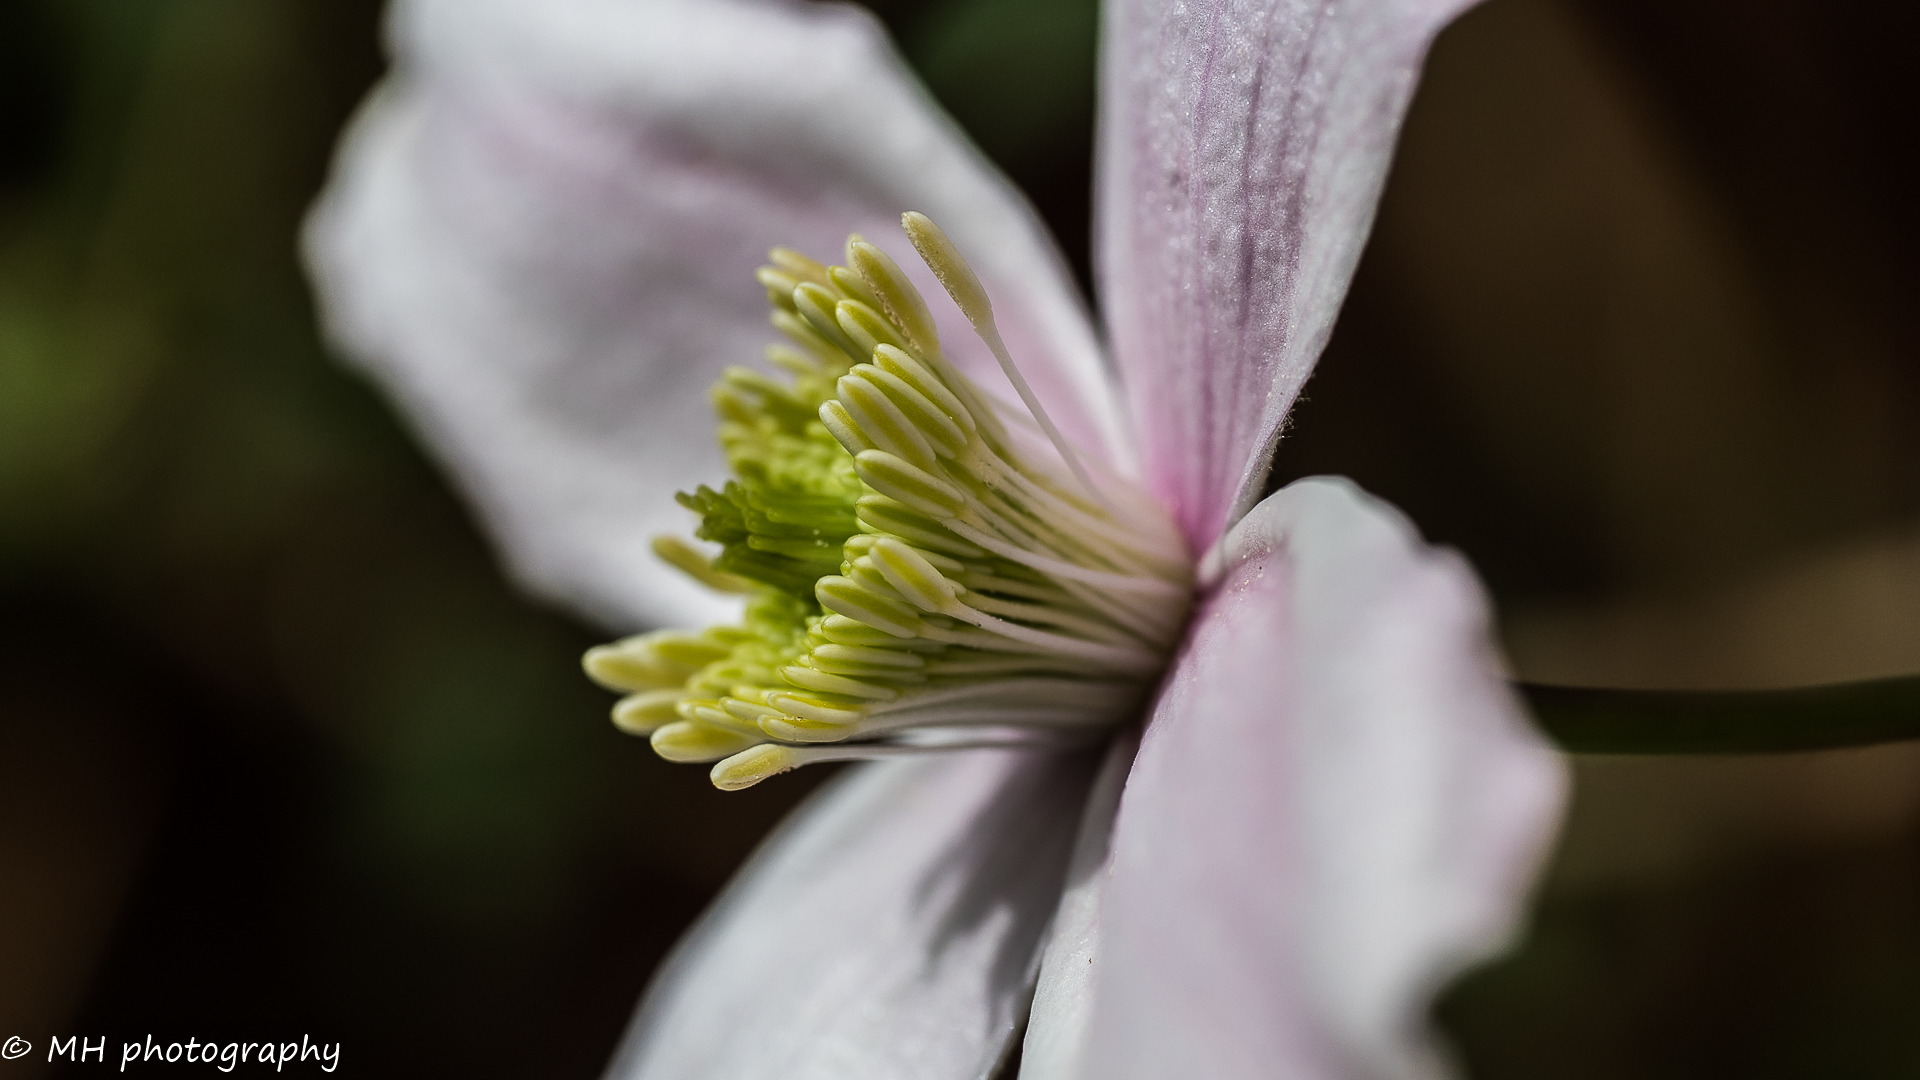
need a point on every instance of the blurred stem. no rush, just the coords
(1828, 717)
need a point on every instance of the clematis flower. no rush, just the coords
(1312, 798)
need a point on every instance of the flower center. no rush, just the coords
(927, 568)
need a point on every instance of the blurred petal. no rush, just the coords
(1337, 805)
(1057, 1029)
(541, 234)
(889, 930)
(1243, 147)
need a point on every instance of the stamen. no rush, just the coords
(916, 581)
(963, 285)
(644, 712)
(746, 769)
(683, 557)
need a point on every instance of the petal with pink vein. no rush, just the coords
(1337, 805)
(1243, 147)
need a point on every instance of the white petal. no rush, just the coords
(1243, 146)
(1059, 1026)
(541, 234)
(890, 930)
(1337, 805)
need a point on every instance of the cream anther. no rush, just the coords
(963, 285)
(897, 297)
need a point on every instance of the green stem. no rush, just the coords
(1827, 717)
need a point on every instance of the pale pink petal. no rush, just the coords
(1337, 805)
(889, 930)
(541, 234)
(1243, 146)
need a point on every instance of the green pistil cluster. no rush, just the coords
(783, 521)
(921, 574)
